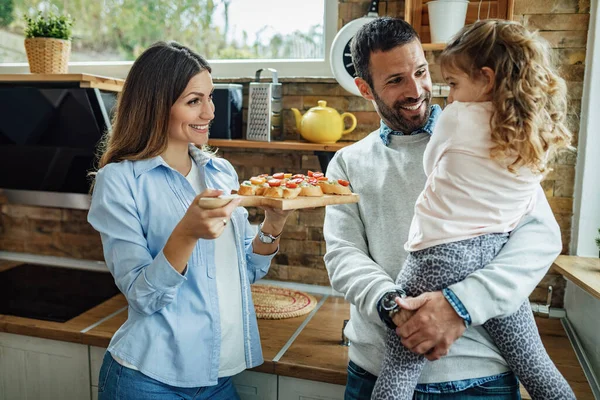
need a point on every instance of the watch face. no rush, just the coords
(265, 238)
(389, 301)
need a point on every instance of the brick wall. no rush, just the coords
(563, 22)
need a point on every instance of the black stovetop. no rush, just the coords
(52, 293)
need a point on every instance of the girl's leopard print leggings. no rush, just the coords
(516, 336)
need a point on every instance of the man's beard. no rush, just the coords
(393, 117)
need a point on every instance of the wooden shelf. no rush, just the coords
(277, 145)
(85, 80)
(416, 13)
(433, 46)
(582, 271)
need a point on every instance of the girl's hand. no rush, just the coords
(203, 223)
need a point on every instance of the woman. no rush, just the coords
(185, 271)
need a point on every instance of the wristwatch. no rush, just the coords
(387, 307)
(266, 237)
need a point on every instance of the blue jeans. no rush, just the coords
(360, 385)
(119, 382)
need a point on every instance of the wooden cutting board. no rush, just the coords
(282, 204)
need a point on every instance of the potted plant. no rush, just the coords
(598, 242)
(48, 43)
(446, 18)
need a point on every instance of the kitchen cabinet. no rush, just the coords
(49, 131)
(252, 385)
(35, 368)
(96, 357)
(302, 389)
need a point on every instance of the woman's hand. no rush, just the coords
(273, 225)
(204, 223)
(275, 220)
(197, 223)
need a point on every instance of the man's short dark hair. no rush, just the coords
(381, 34)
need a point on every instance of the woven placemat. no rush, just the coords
(272, 302)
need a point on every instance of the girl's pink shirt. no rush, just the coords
(467, 194)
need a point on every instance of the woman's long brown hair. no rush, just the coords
(156, 80)
(529, 98)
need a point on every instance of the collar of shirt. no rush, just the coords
(385, 131)
(200, 157)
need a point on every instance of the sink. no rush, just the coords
(52, 293)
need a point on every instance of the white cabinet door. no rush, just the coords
(33, 368)
(252, 385)
(96, 357)
(302, 389)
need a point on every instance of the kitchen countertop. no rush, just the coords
(306, 347)
(583, 271)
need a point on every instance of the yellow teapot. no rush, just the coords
(322, 124)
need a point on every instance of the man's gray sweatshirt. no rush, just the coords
(365, 253)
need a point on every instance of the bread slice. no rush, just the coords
(247, 189)
(261, 189)
(327, 187)
(309, 190)
(275, 192)
(333, 187)
(341, 189)
(289, 193)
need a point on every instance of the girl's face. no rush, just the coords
(467, 89)
(192, 112)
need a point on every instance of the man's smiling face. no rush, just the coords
(401, 86)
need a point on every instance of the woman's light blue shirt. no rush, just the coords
(172, 332)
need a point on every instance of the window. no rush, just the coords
(237, 36)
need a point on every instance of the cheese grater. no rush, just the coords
(264, 109)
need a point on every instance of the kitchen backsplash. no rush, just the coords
(62, 232)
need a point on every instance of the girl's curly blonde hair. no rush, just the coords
(529, 98)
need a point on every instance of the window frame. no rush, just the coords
(221, 68)
(586, 207)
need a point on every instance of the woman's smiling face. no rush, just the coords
(192, 112)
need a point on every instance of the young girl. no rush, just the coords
(488, 153)
(185, 271)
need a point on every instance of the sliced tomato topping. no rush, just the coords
(317, 174)
(310, 173)
(297, 180)
(263, 175)
(279, 175)
(312, 181)
(274, 182)
(343, 182)
(298, 176)
(322, 178)
(291, 185)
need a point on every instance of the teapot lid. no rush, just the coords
(322, 106)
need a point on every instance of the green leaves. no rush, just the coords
(598, 239)
(6, 12)
(49, 25)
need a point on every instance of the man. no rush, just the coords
(365, 240)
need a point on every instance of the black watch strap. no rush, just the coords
(386, 314)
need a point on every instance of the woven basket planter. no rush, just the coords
(48, 55)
